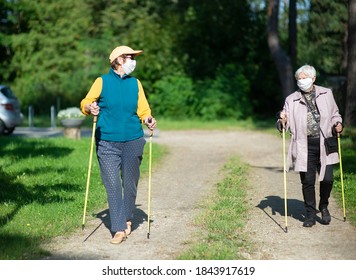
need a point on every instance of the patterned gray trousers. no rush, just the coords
(120, 171)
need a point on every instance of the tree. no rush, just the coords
(281, 59)
(322, 36)
(60, 47)
(292, 31)
(48, 61)
(350, 110)
(214, 34)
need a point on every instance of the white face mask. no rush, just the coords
(306, 84)
(129, 66)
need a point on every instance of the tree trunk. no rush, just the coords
(292, 30)
(350, 110)
(280, 58)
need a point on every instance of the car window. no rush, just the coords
(7, 92)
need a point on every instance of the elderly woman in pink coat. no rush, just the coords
(311, 114)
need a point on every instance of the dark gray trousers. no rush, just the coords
(120, 171)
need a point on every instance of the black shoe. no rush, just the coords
(325, 216)
(309, 222)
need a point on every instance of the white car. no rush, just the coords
(10, 113)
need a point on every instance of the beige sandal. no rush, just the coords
(128, 229)
(119, 237)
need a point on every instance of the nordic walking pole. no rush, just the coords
(95, 118)
(149, 186)
(285, 174)
(341, 176)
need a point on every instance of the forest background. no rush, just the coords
(216, 59)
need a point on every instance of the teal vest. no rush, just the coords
(118, 120)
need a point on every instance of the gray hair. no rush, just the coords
(307, 70)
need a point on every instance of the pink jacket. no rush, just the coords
(296, 111)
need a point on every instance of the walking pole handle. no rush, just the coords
(149, 120)
(283, 121)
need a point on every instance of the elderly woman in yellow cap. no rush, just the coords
(119, 101)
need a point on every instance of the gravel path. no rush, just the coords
(188, 174)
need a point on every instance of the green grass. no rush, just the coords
(42, 191)
(222, 221)
(265, 125)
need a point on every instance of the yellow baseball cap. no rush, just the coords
(122, 50)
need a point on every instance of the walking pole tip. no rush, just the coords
(148, 236)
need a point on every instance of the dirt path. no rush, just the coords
(190, 171)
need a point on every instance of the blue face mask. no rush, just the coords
(129, 66)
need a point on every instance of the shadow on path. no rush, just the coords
(139, 218)
(295, 208)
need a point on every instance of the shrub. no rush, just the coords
(226, 96)
(173, 97)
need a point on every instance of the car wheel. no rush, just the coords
(2, 127)
(8, 131)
